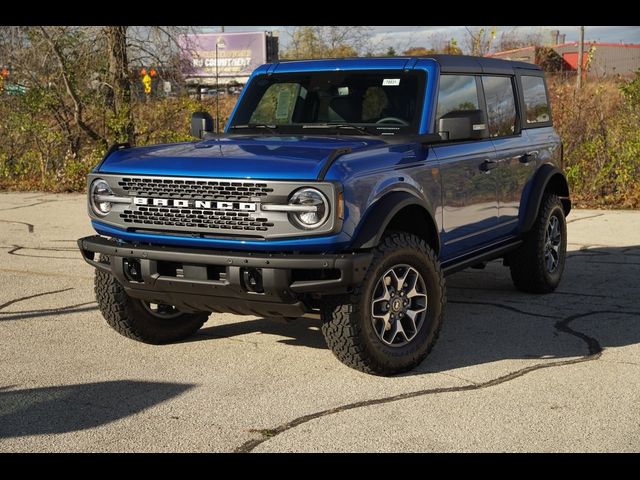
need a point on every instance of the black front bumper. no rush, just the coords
(210, 280)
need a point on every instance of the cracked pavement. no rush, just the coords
(510, 372)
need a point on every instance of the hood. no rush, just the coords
(264, 157)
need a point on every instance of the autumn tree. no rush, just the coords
(327, 42)
(449, 47)
(417, 51)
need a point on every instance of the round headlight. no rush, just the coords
(100, 189)
(309, 197)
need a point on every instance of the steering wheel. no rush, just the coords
(397, 120)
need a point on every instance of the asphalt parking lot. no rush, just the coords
(511, 371)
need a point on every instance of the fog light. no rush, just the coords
(132, 270)
(252, 280)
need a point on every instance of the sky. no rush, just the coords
(405, 36)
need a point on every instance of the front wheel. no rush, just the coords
(537, 266)
(391, 321)
(140, 320)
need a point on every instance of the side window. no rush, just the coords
(277, 103)
(457, 93)
(501, 105)
(535, 100)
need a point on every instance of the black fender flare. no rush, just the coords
(535, 191)
(382, 212)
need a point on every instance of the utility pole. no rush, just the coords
(217, 93)
(580, 53)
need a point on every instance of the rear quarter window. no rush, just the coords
(501, 105)
(536, 103)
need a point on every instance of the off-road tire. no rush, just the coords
(529, 271)
(128, 317)
(347, 325)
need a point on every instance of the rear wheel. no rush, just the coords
(537, 266)
(141, 320)
(391, 321)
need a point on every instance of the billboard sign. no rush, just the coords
(234, 54)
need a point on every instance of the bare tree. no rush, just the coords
(478, 41)
(328, 41)
(120, 97)
(514, 39)
(54, 62)
(83, 75)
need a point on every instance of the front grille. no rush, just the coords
(205, 206)
(198, 218)
(200, 189)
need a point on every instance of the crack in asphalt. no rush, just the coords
(506, 307)
(54, 309)
(585, 218)
(30, 226)
(26, 314)
(594, 351)
(29, 297)
(513, 291)
(44, 274)
(587, 254)
(26, 206)
(17, 248)
(613, 263)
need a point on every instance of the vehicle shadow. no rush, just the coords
(488, 320)
(70, 408)
(303, 332)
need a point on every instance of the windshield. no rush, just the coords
(351, 103)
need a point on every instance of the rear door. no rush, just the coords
(543, 141)
(515, 161)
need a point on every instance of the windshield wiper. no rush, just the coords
(338, 126)
(271, 128)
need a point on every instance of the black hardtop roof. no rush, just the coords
(448, 63)
(469, 64)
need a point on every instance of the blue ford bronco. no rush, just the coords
(346, 189)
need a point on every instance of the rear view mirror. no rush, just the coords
(201, 123)
(462, 125)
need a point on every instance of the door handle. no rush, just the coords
(487, 165)
(529, 157)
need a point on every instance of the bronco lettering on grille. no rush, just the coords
(169, 202)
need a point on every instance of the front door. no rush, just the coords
(469, 187)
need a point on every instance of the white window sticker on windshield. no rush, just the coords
(282, 105)
(390, 82)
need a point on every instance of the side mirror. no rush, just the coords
(201, 123)
(462, 125)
